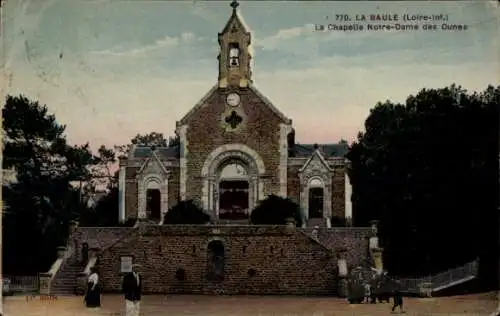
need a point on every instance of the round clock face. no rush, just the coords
(233, 99)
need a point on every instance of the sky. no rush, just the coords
(112, 69)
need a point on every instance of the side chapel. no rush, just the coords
(236, 148)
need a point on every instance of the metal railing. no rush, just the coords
(412, 285)
(23, 284)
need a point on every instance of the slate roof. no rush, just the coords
(299, 150)
(162, 152)
(328, 150)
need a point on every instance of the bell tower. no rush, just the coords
(234, 52)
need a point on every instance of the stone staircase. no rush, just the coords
(66, 281)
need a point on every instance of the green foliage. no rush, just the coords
(42, 201)
(186, 213)
(428, 170)
(275, 210)
(104, 214)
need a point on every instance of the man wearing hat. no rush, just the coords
(132, 288)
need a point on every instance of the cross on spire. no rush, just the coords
(234, 4)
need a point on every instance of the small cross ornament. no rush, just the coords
(234, 4)
(234, 119)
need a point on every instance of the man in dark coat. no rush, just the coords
(132, 288)
(398, 297)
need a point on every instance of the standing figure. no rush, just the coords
(398, 297)
(93, 294)
(367, 292)
(132, 288)
(373, 294)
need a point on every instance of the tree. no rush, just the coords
(428, 170)
(186, 213)
(275, 210)
(42, 200)
(151, 139)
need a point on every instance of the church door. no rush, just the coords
(153, 206)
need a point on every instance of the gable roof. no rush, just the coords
(318, 154)
(161, 152)
(153, 158)
(327, 150)
(251, 87)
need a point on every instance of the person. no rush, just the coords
(132, 288)
(373, 294)
(367, 292)
(93, 295)
(398, 297)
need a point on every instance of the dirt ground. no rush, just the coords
(470, 305)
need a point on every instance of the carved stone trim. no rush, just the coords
(347, 196)
(285, 129)
(212, 167)
(152, 180)
(121, 194)
(316, 169)
(182, 132)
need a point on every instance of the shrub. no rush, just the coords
(276, 210)
(186, 213)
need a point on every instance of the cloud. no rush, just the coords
(164, 43)
(328, 101)
(275, 41)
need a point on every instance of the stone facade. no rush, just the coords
(234, 123)
(257, 259)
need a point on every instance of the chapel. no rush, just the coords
(236, 148)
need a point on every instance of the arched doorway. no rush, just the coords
(215, 261)
(316, 198)
(153, 204)
(233, 185)
(215, 164)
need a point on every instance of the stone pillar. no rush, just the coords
(61, 251)
(283, 166)
(73, 225)
(141, 199)
(182, 132)
(374, 235)
(377, 258)
(121, 191)
(327, 201)
(315, 232)
(209, 204)
(343, 273)
(348, 192)
(94, 251)
(164, 198)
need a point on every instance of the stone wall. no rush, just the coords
(285, 261)
(355, 239)
(96, 237)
